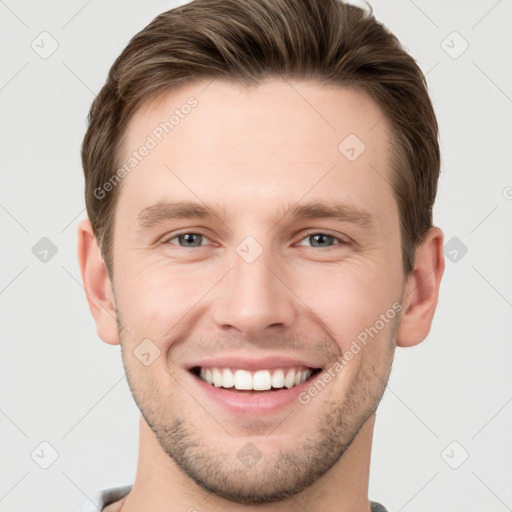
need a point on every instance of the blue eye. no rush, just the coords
(319, 240)
(188, 239)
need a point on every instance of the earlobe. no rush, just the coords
(422, 290)
(97, 284)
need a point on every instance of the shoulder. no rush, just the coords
(377, 507)
(106, 500)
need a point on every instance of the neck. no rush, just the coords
(161, 486)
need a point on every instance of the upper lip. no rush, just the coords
(253, 364)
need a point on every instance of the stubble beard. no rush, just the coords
(276, 476)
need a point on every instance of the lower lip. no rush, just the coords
(252, 403)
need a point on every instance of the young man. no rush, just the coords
(260, 177)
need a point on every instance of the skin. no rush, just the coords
(250, 153)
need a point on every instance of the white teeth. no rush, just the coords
(243, 379)
(260, 380)
(278, 379)
(206, 375)
(217, 378)
(228, 379)
(289, 380)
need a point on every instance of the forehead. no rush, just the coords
(219, 142)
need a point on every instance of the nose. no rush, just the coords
(254, 297)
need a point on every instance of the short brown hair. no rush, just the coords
(247, 41)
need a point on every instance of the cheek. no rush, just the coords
(347, 298)
(158, 295)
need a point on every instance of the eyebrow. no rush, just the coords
(164, 211)
(333, 210)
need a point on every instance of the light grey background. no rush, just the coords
(61, 385)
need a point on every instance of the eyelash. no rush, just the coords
(307, 235)
(325, 233)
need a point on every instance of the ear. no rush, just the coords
(422, 290)
(98, 288)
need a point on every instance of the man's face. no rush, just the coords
(257, 287)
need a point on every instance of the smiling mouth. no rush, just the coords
(244, 381)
